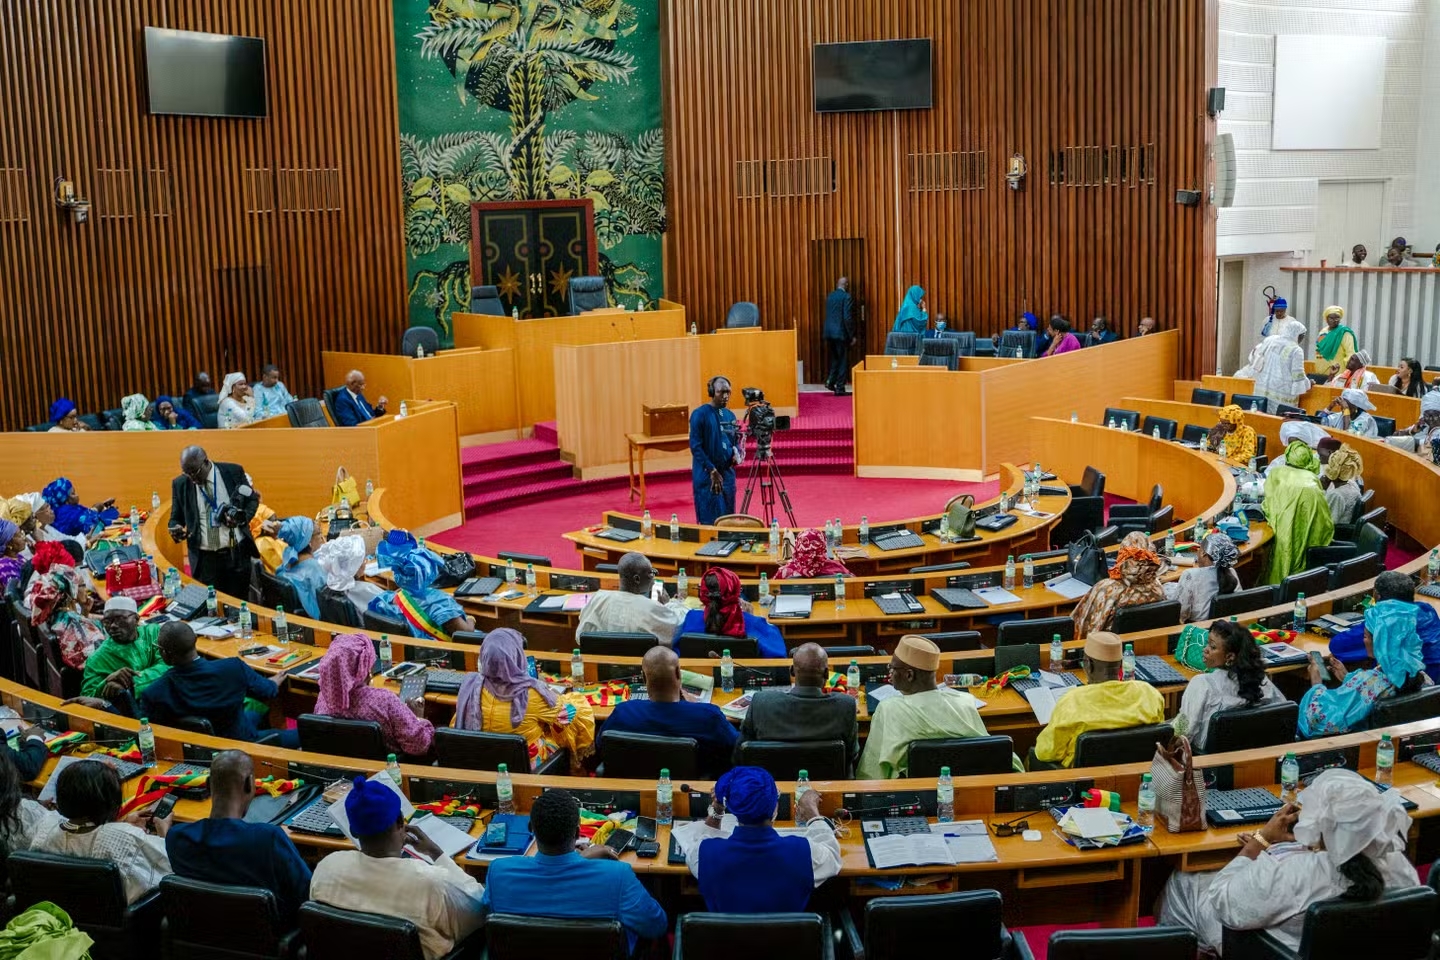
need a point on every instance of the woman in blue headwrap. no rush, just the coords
(298, 567)
(913, 317)
(1393, 641)
(72, 519)
(749, 867)
(65, 417)
(430, 613)
(169, 415)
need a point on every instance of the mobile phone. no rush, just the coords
(619, 841)
(496, 834)
(645, 829)
(647, 849)
(254, 651)
(403, 669)
(165, 807)
(1318, 659)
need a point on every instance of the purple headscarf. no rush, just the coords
(504, 673)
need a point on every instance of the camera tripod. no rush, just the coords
(766, 472)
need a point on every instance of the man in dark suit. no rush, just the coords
(806, 711)
(1100, 332)
(211, 505)
(839, 334)
(351, 407)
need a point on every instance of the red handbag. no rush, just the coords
(131, 578)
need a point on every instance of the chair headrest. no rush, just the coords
(587, 284)
(485, 291)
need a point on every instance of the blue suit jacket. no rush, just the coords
(348, 413)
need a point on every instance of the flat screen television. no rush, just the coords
(204, 74)
(873, 75)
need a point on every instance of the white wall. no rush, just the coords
(1276, 191)
(1427, 155)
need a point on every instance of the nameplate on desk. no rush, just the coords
(877, 806)
(815, 591)
(974, 581)
(1344, 758)
(1407, 747)
(428, 790)
(1040, 796)
(605, 801)
(874, 588)
(620, 522)
(574, 583)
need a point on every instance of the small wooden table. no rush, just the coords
(641, 443)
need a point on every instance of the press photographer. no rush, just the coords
(211, 505)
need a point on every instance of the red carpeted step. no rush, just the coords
(503, 455)
(546, 432)
(521, 476)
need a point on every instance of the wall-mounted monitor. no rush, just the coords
(873, 75)
(204, 74)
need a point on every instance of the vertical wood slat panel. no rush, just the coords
(192, 259)
(1100, 78)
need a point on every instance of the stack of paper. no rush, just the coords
(1068, 587)
(1096, 824)
(995, 596)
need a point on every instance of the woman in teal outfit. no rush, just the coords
(1391, 638)
(913, 317)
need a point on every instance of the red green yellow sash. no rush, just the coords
(411, 611)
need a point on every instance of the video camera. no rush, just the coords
(761, 421)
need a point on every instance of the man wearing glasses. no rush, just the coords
(211, 505)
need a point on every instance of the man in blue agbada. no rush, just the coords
(748, 866)
(714, 453)
(426, 611)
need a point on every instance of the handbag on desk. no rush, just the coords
(345, 487)
(1179, 787)
(1087, 560)
(458, 568)
(960, 516)
(131, 578)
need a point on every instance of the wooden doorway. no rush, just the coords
(829, 261)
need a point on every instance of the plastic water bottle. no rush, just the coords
(530, 577)
(1432, 569)
(532, 668)
(1019, 353)
(134, 518)
(774, 538)
(419, 351)
(387, 656)
(1155, 433)
(1301, 615)
(694, 332)
(504, 791)
(509, 571)
(245, 629)
(664, 798)
(852, 681)
(155, 500)
(647, 526)
(369, 488)
(945, 797)
(1111, 424)
(514, 313)
(145, 740)
(1057, 653)
(212, 603)
(1224, 450)
(682, 584)
(1074, 416)
(1009, 582)
(1127, 662)
(802, 785)
(727, 672)
(404, 410)
(839, 532)
(1199, 534)
(674, 528)
(1254, 406)
(577, 667)
(1170, 542)
(1029, 572)
(764, 585)
(945, 526)
(1289, 778)
(830, 538)
(839, 591)
(894, 363)
(864, 534)
(392, 767)
(171, 586)
(1250, 467)
(278, 626)
(343, 513)
(1385, 761)
(1145, 802)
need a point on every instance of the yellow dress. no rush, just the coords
(1112, 705)
(568, 725)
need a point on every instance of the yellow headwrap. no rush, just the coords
(1232, 414)
(1345, 464)
(1334, 310)
(16, 510)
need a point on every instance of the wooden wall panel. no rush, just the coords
(213, 244)
(1033, 77)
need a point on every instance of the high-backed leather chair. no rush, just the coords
(211, 921)
(1249, 728)
(483, 750)
(1100, 748)
(417, 337)
(306, 412)
(905, 928)
(1399, 925)
(93, 893)
(1140, 943)
(723, 936)
(641, 756)
(965, 756)
(343, 738)
(587, 293)
(742, 314)
(821, 759)
(485, 299)
(510, 937)
(334, 934)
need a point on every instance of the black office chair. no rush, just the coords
(1130, 419)
(327, 397)
(511, 937)
(1243, 601)
(1357, 570)
(307, 412)
(114, 419)
(1400, 923)
(759, 936)
(616, 644)
(93, 893)
(1384, 426)
(211, 921)
(1092, 484)
(342, 738)
(587, 293)
(1210, 398)
(200, 725)
(1309, 582)
(417, 337)
(742, 314)
(1194, 433)
(900, 344)
(965, 756)
(334, 934)
(276, 591)
(1390, 711)
(939, 352)
(641, 756)
(821, 759)
(1139, 943)
(1249, 728)
(1012, 340)
(1101, 748)
(336, 608)
(206, 409)
(955, 641)
(485, 299)
(1157, 497)
(380, 623)
(522, 559)
(1037, 630)
(1082, 515)
(903, 928)
(1249, 402)
(1166, 426)
(845, 653)
(1287, 410)
(481, 750)
(964, 341)
(1146, 616)
(701, 645)
(1369, 539)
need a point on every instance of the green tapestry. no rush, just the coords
(528, 100)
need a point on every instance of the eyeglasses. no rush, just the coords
(1011, 828)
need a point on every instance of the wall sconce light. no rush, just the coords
(65, 199)
(1015, 171)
